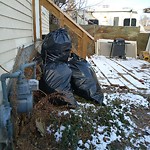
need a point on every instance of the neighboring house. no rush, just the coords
(112, 17)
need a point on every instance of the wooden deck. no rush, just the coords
(132, 74)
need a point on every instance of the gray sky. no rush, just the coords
(136, 4)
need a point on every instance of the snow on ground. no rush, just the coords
(58, 134)
(127, 100)
(112, 125)
(119, 126)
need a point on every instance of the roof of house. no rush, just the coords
(112, 9)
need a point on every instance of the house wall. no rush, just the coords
(107, 17)
(16, 30)
(45, 21)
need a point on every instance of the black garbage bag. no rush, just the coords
(56, 46)
(56, 78)
(84, 81)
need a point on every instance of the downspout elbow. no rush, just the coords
(4, 86)
(10, 75)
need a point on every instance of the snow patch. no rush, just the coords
(58, 134)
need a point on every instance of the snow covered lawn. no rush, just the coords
(112, 126)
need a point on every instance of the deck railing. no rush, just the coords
(84, 38)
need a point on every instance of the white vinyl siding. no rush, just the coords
(45, 21)
(16, 30)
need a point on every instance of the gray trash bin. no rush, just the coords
(118, 48)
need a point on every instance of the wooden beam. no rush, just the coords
(79, 46)
(61, 20)
(34, 19)
(73, 27)
(40, 18)
(84, 45)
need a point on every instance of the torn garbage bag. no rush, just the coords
(56, 78)
(56, 46)
(84, 81)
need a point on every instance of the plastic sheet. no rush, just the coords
(56, 78)
(56, 46)
(84, 81)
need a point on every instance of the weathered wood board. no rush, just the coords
(132, 74)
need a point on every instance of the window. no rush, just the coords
(127, 22)
(133, 22)
(93, 21)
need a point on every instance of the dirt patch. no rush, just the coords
(31, 130)
(141, 117)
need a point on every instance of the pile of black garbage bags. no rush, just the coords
(65, 72)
